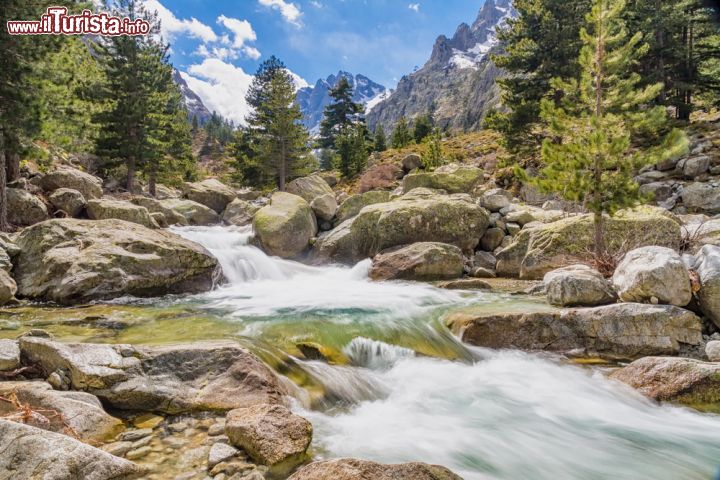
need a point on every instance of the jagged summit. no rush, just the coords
(193, 103)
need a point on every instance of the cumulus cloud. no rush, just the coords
(289, 11)
(415, 7)
(172, 26)
(243, 33)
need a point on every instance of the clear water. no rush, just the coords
(401, 387)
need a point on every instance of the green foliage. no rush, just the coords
(588, 157)
(340, 114)
(401, 135)
(423, 127)
(352, 150)
(379, 139)
(280, 141)
(433, 155)
(219, 129)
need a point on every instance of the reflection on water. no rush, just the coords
(383, 379)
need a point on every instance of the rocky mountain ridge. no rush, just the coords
(191, 100)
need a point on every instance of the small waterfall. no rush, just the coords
(376, 355)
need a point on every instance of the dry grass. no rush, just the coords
(36, 417)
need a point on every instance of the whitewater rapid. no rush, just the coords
(500, 416)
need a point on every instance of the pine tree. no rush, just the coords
(589, 156)
(423, 127)
(281, 139)
(195, 124)
(380, 141)
(433, 155)
(341, 113)
(401, 135)
(352, 150)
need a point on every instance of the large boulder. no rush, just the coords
(354, 469)
(578, 285)
(424, 261)
(211, 193)
(707, 265)
(653, 274)
(353, 204)
(543, 248)
(65, 412)
(195, 214)
(285, 226)
(309, 188)
(496, 199)
(679, 380)
(452, 178)
(624, 330)
(106, 208)
(32, 453)
(68, 261)
(240, 213)
(701, 197)
(380, 177)
(410, 162)
(24, 208)
(68, 200)
(8, 287)
(271, 434)
(419, 216)
(325, 207)
(153, 206)
(89, 185)
(9, 355)
(170, 378)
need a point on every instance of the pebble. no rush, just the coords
(134, 435)
(175, 442)
(231, 468)
(148, 421)
(142, 442)
(119, 449)
(178, 427)
(138, 453)
(220, 452)
(216, 429)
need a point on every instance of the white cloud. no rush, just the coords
(289, 11)
(316, 4)
(415, 7)
(241, 29)
(216, 52)
(171, 25)
(221, 86)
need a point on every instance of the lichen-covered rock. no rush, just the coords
(701, 197)
(9, 355)
(707, 265)
(170, 378)
(309, 188)
(424, 261)
(195, 213)
(452, 178)
(24, 208)
(153, 206)
(285, 227)
(80, 411)
(492, 239)
(578, 285)
(324, 206)
(679, 380)
(8, 287)
(712, 350)
(271, 434)
(211, 192)
(653, 275)
(624, 330)
(69, 261)
(65, 177)
(543, 248)
(240, 213)
(411, 162)
(30, 453)
(496, 199)
(106, 208)
(354, 469)
(419, 216)
(353, 204)
(70, 201)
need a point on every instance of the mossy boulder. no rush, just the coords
(69, 201)
(24, 208)
(309, 188)
(540, 249)
(195, 214)
(65, 177)
(354, 203)
(106, 208)
(240, 213)
(211, 192)
(285, 226)
(452, 178)
(679, 380)
(71, 261)
(172, 217)
(423, 261)
(419, 216)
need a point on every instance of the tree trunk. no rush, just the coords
(281, 170)
(130, 182)
(4, 226)
(152, 182)
(12, 166)
(599, 223)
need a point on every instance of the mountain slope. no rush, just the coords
(313, 100)
(192, 101)
(457, 84)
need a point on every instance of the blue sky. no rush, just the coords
(218, 44)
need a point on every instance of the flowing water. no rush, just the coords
(399, 387)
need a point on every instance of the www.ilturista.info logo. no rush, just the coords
(56, 21)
